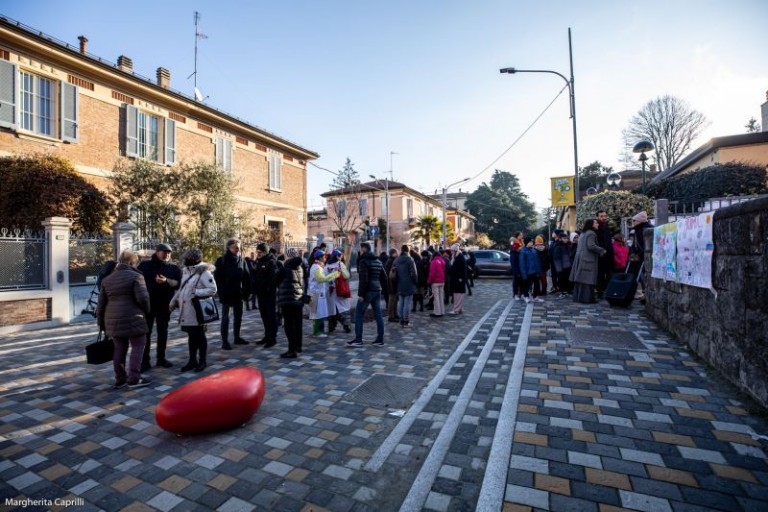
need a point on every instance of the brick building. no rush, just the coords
(347, 210)
(58, 98)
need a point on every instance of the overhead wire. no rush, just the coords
(514, 143)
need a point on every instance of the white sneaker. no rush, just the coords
(538, 299)
(518, 297)
(527, 300)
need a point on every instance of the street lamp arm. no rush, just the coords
(512, 71)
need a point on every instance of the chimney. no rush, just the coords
(83, 44)
(163, 78)
(764, 112)
(125, 64)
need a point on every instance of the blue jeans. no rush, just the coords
(374, 300)
(237, 310)
(404, 307)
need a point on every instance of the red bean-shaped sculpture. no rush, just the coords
(218, 401)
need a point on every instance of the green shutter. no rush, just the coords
(70, 132)
(131, 131)
(8, 81)
(170, 142)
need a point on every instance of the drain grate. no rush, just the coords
(391, 391)
(604, 338)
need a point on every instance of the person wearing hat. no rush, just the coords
(530, 270)
(542, 251)
(233, 282)
(264, 283)
(319, 281)
(162, 278)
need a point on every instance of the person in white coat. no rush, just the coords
(340, 296)
(196, 281)
(318, 290)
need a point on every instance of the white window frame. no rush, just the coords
(274, 174)
(363, 207)
(149, 136)
(38, 112)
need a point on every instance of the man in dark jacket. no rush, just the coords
(234, 286)
(605, 263)
(371, 276)
(162, 278)
(265, 287)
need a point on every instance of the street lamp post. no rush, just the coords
(613, 180)
(641, 147)
(572, 94)
(386, 203)
(445, 207)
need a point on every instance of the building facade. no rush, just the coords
(351, 212)
(60, 99)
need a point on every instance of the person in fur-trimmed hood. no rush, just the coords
(196, 281)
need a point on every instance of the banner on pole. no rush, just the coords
(562, 191)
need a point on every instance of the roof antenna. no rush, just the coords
(198, 36)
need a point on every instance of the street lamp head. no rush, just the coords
(643, 146)
(511, 71)
(643, 157)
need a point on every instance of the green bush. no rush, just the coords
(719, 180)
(617, 204)
(38, 186)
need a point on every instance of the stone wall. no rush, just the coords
(728, 327)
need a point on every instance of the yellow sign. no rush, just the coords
(562, 191)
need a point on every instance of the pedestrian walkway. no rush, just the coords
(546, 406)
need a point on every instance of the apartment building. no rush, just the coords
(58, 98)
(350, 211)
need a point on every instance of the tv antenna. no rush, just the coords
(198, 36)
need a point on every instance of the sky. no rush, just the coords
(413, 86)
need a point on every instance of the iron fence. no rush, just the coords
(24, 256)
(680, 210)
(87, 255)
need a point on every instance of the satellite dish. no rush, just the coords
(591, 191)
(199, 95)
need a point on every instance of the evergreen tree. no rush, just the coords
(501, 207)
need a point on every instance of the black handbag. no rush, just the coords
(205, 309)
(100, 351)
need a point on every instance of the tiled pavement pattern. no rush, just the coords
(597, 429)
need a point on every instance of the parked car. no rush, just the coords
(492, 263)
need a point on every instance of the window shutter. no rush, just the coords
(220, 152)
(8, 81)
(170, 142)
(131, 131)
(70, 131)
(228, 155)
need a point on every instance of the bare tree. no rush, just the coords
(670, 124)
(347, 207)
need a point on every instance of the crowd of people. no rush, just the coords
(136, 297)
(580, 264)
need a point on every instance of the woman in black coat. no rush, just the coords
(458, 279)
(289, 294)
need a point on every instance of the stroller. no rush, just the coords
(93, 298)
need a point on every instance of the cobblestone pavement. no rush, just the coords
(547, 406)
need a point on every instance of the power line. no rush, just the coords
(514, 143)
